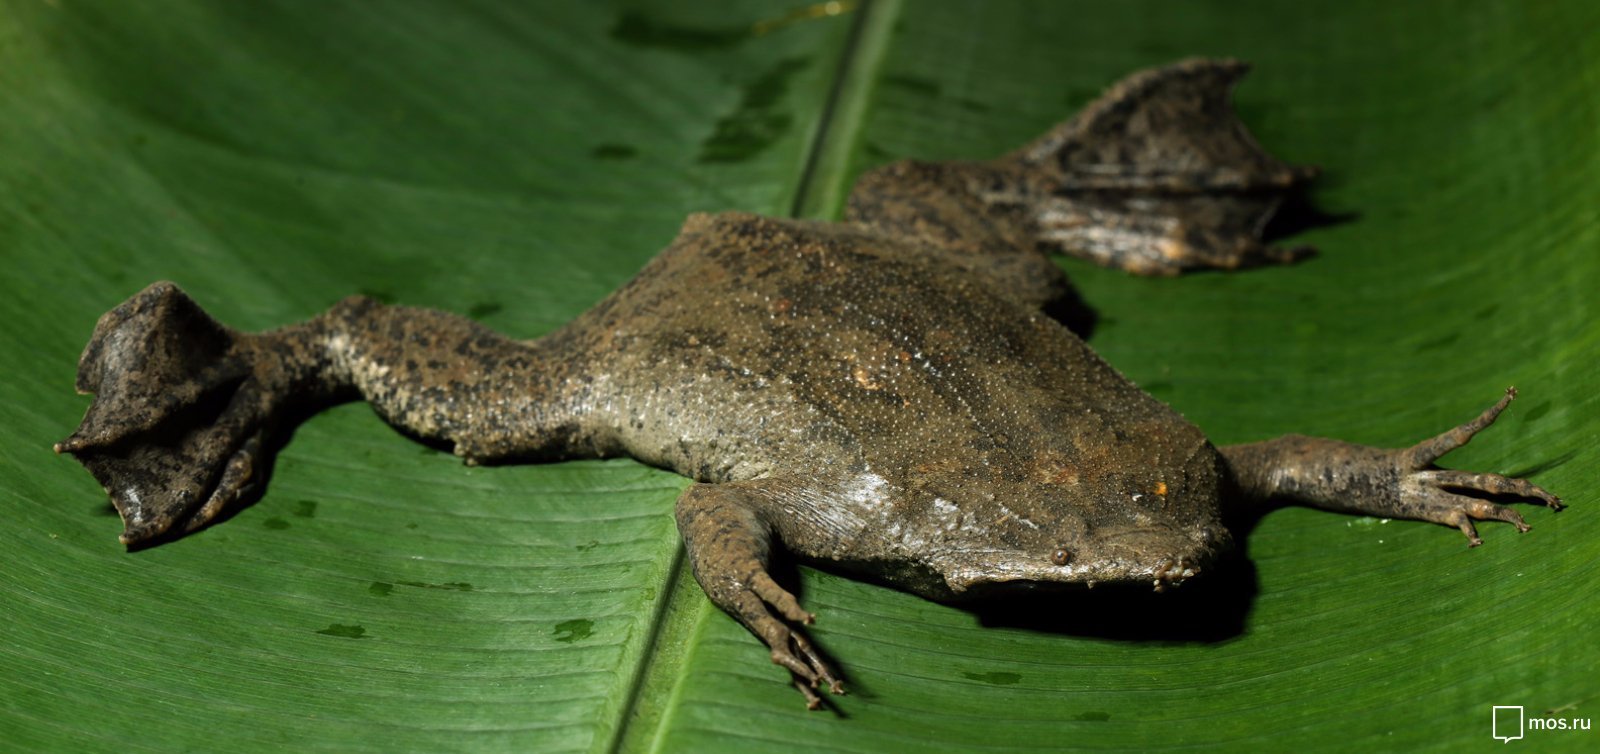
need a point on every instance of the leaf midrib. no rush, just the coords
(818, 194)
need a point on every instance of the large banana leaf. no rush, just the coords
(517, 161)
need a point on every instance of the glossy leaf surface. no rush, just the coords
(517, 161)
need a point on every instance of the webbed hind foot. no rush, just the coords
(1156, 177)
(182, 407)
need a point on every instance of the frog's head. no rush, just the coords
(1157, 555)
(1147, 526)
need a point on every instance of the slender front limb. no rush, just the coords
(1398, 483)
(184, 406)
(728, 544)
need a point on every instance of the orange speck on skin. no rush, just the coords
(865, 380)
(1161, 488)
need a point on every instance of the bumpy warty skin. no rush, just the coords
(925, 426)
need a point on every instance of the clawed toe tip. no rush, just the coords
(813, 700)
(138, 535)
(77, 443)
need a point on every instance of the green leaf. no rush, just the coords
(518, 161)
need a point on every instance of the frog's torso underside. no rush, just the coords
(920, 412)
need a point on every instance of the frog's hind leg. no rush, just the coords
(728, 541)
(941, 209)
(184, 407)
(1157, 176)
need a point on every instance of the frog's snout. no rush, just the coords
(1160, 540)
(1163, 555)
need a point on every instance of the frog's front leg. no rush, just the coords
(1393, 483)
(728, 540)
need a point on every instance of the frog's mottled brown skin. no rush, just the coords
(884, 394)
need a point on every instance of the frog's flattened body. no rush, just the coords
(885, 394)
(917, 415)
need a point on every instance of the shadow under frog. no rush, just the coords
(886, 396)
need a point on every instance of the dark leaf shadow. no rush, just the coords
(1298, 214)
(1204, 610)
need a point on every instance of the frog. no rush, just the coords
(894, 395)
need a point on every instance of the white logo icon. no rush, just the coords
(1508, 722)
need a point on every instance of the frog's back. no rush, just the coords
(754, 345)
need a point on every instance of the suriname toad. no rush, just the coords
(885, 395)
